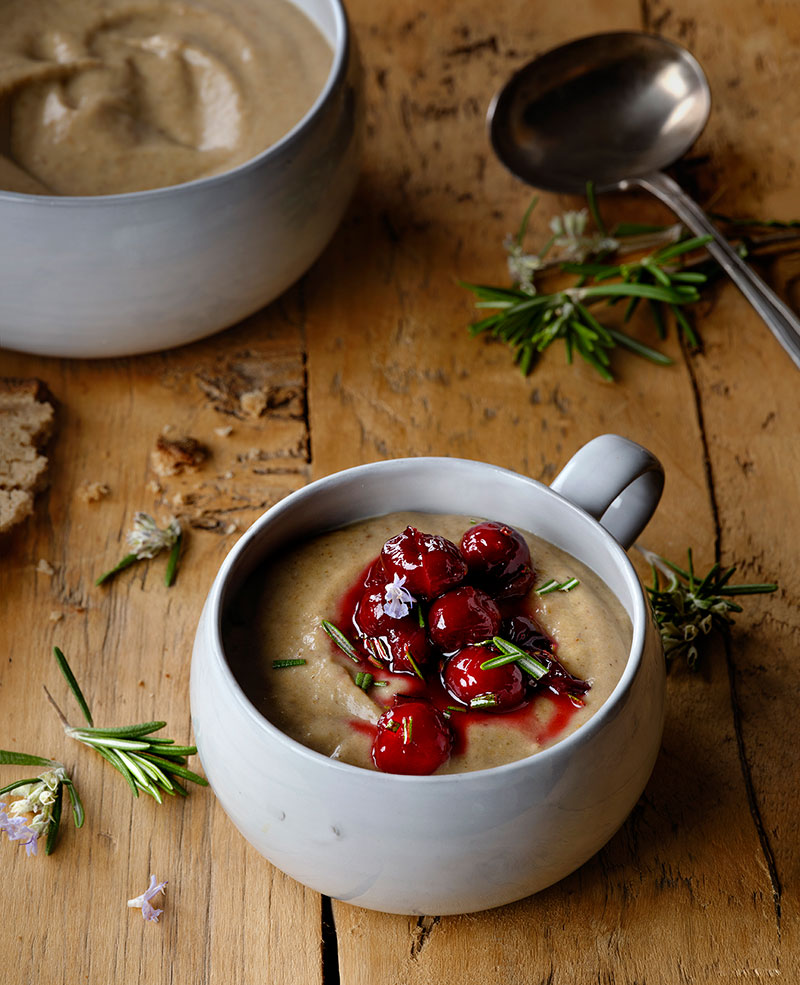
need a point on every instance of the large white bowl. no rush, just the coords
(461, 842)
(116, 275)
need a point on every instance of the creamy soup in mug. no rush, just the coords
(99, 97)
(304, 642)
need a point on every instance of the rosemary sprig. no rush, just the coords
(511, 653)
(687, 607)
(146, 539)
(529, 321)
(41, 796)
(147, 763)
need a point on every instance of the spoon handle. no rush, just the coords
(779, 318)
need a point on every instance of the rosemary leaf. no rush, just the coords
(126, 562)
(9, 758)
(634, 345)
(17, 783)
(66, 670)
(171, 572)
(125, 731)
(178, 770)
(55, 820)
(625, 229)
(77, 806)
(120, 766)
(341, 640)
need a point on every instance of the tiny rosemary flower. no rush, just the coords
(17, 830)
(569, 234)
(398, 599)
(146, 539)
(148, 910)
(40, 797)
(522, 266)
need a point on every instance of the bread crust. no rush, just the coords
(27, 416)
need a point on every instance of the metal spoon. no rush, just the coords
(616, 109)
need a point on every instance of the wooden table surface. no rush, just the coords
(368, 358)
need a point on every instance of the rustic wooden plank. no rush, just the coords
(747, 388)
(687, 869)
(228, 914)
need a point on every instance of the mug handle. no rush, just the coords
(616, 481)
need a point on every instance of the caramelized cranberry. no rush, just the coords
(516, 587)
(375, 578)
(370, 617)
(503, 687)
(413, 738)
(525, 633)
(406, 638)
(462, 616)
(558, 680)
(494, 551)
(431, 564)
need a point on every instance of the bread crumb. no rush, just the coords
(154, 487)
(253, 403)
(45, 568)
(223, 432)
(231, 528)
(93, 492)
(172, 456)
(168, 429)
(227, 475)
(56, 616)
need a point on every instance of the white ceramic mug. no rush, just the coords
(461, 842)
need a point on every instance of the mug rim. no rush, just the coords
(341, 53)
(581, 736)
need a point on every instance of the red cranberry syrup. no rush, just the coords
(461, 597)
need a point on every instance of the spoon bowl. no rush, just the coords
(608, 108)
(616, 109)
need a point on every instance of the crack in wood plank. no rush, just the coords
(329, 944)
(744, 764)
(421, 934)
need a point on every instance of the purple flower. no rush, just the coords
(148, 911)
(398, 599)
(17, 830)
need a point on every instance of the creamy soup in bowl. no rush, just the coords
(167, 167)
(454, 839)
(101, 97)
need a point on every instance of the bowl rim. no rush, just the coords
(338, 70)
(217, 597)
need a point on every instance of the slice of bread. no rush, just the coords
(26, 422)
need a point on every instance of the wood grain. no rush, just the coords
(368, 358)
